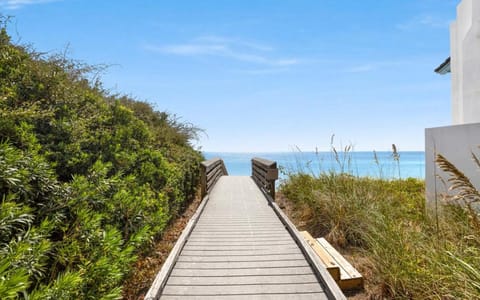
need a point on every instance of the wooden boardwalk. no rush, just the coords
(239, 248)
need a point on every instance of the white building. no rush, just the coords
(464, 63)
(459, 141)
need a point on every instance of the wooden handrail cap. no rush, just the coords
(265, 162)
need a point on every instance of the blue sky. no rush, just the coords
(264, 75)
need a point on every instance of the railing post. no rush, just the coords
(272, 175)
(265, 172)
(203, 179)
(272, 188)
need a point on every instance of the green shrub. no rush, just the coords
(87, 179)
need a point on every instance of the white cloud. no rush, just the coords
(188, 49)
(361, 68)
(232, 41)
(261, 71)
(235, 49)
(16, 4)
(424, 20)
(376, 65)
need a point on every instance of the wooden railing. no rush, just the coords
(265, 172)
(211, 170)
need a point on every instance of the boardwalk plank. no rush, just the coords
(234, 246)
(243, 272)
(249, 231)
(247, 252)
(213, 239)
(239, 249)
(245, 233)
(243, 289)
(296, 296)
(244, 258)
(242, 265)
(247, 280)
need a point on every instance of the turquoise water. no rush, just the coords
(412, 164)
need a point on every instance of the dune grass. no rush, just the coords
(415, 254)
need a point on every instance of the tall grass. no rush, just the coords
(345, 160)
(414, 255)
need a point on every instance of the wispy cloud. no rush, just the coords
(361, 68)
(235, 49)
(234, 41)
(16, 4)
(376, 65)
(265, 71)
(424, 20)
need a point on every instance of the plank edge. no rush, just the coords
(161, 279)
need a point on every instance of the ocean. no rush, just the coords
(358, 163)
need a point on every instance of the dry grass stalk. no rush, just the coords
(467, 193)
(459, 181)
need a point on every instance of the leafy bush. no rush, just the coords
(87, 179)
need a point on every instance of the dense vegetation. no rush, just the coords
(87, 179)
(412, 252)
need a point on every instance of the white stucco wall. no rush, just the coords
(465, 63)
(456, 143)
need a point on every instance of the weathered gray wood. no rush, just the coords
(265, 252)
(253, 289)
(242, 280)
(162, 277)
(332, 290)
(243, 272)
(265, 162)
(245, 258)
(240, 230)
(252, 218)
(250, 247)
(237, 235)
(256, 227)
(211, 171)
(223, 235)
(212, 164)
(240, 248)
(242, 265)
(213, 177)
(252, 241)
(230, 228)
(238, 226)
(229, 220)
(284, 296)
(265, 172)
(247, 241)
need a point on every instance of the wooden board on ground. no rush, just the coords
(325, 256)
(350, 278)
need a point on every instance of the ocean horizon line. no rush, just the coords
(312, 151)
(381, 164)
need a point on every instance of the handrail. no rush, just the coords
(265, 172)
(211, 171)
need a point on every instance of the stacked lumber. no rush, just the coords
(344, 274)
